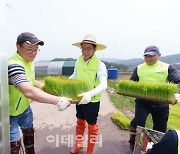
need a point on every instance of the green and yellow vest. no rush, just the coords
(157, 72)
(88, 73)
(18, 103)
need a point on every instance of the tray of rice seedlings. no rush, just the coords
(154, 91)
(63, 86)
(121, 120)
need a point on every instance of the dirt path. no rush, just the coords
(55, 130)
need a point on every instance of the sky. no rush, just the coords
(126, 27)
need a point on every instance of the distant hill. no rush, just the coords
(121, 65)
(171, 59)
(132, 63)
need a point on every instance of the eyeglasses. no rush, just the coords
(86, 49)
(31, 50)
(149, 56)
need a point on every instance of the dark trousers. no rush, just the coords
(159, 112)
(88, 112)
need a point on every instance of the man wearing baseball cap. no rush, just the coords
(152, 70)
(22, 89)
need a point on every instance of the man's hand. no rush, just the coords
(63, 103)
(177, 98)
(85, 98)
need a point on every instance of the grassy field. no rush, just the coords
(125, 105)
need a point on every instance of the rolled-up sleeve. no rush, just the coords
(134, 75)
(173, 75)
(16, 74)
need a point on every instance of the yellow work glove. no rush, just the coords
(63, 103)
(85, 98)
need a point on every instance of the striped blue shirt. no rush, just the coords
(16, 74)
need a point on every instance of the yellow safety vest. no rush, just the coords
(153, 73)
(88, 73)
(18, 103)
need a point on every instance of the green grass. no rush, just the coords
(113, 84)
(126, 104)
(174, 117)
(123, 103)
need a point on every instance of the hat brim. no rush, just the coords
(150, 53)
(98, 46)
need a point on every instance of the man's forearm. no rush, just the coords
(35, 94)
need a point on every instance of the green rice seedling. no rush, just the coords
(121, 120)
(160, 92)
(63, 86)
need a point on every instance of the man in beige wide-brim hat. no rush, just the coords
(92, 40)
(93, 71)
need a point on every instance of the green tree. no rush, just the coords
(120, 67)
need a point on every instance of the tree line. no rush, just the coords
(119, 67)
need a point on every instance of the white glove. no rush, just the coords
(86, 98)
(177, 97)
(149, 145)
(63, 103)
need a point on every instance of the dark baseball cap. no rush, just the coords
(29, 38)
(151, 50)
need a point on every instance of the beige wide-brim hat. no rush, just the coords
(92, 40)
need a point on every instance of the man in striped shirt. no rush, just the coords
(23, 89)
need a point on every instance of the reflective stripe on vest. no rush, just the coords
(17, 101)
(178, 133)
(153, 73)
(88, 73)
